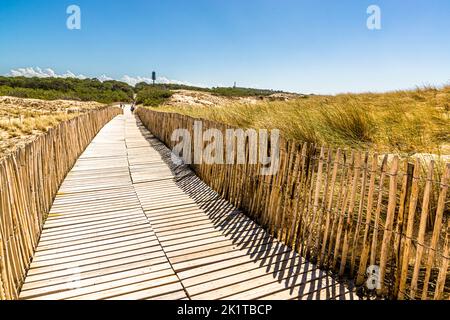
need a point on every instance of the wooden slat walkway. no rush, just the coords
(128, 223)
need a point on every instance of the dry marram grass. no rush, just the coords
(23, 119)
(404, 122)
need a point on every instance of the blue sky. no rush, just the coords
(320, 46)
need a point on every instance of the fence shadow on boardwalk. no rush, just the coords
(302, 278)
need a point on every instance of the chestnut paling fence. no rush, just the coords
(349, 211)
(29, 180)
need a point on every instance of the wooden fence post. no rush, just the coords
(360, 215)
(437, 231)
(348, 224)
(386, 243)
(443, 271)
(401, 226)
(329, 209)
(366, 240)
(422, 229)
(409, 231)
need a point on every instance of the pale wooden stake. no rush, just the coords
(443, 272)
(409, 230)
(437, 230)
(386, 243)
(422, 229)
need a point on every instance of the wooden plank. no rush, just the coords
(242, 282)
(151, 293)
(98, 284)
(304, 283)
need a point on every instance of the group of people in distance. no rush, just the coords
(133, 107)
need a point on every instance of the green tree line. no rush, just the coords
(108, 91)
(155, 95)
(66, 89)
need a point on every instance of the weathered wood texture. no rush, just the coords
(29, 181)
(345, 210)
(216, 251)
(129, 223)
(97, 242)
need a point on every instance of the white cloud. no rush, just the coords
(165, 80)
(47, 73)
(135, 80)
(42, 73)
(104, 77)
(70, 74)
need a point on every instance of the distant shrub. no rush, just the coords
(153, 96)
(218, 91)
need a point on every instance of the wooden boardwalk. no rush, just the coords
(128, 223)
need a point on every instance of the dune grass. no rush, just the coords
(405, 122)
(22, 119)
